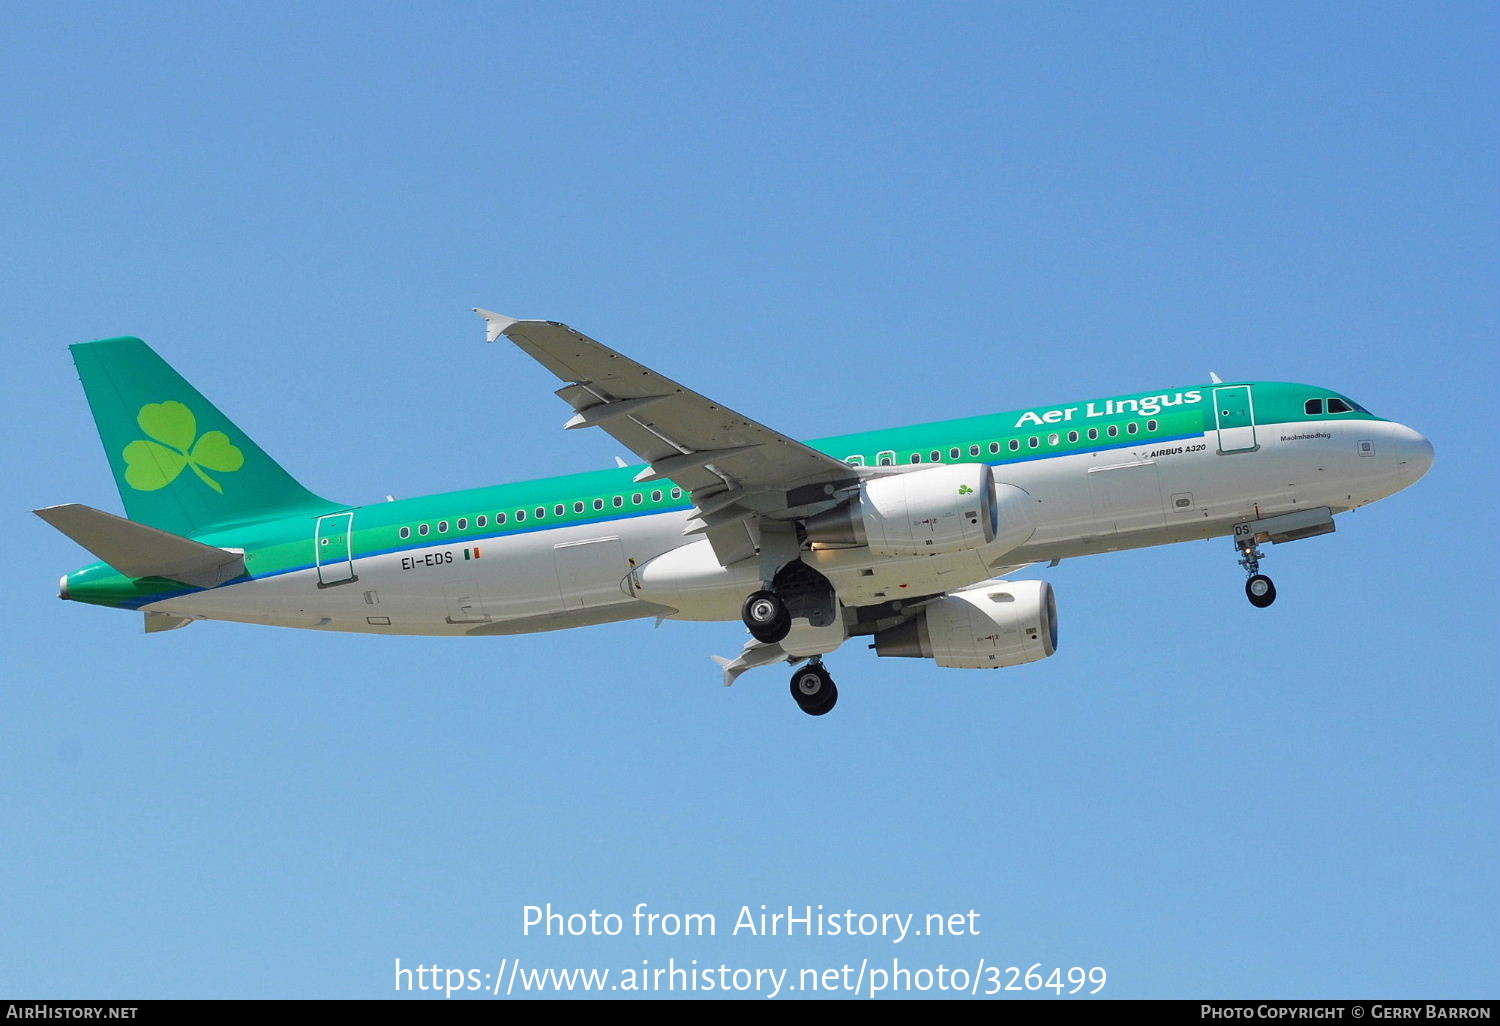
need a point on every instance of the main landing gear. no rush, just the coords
(813, 689)
(796, 590)
(1259, 589)
(766, 617)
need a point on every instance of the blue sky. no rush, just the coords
(832, 217)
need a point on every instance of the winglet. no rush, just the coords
(495, 324)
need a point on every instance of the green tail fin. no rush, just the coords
(179, 463)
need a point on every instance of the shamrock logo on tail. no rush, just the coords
(172, 443)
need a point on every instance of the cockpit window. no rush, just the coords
(1337, 405)
(1313, 407)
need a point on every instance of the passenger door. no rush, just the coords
(333, 549)
(1234, 412)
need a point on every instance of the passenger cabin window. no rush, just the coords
(482, 521)
(855, 461)
(1054, 438)
(598, 503)
(953, 453)
(499, 519)
(1015, 445)
(656, 496)
(442, 527)
(1093, 434)
(619, 501)
(887, 459)
(1339, 406)
(973, 450)
(1133, 427)
(1313, 407)
(559, 510)
(463, 523)
(1072, 436)
(1034, 441)
(677, 492)
(916, 457)
(520, 515)
(541, 512)
(578, 507)
(994, 448)
(406, 532)
(1114, 431)
(936, 456)
(1151, 425)
(422, 530)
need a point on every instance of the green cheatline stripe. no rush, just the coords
(282, 546)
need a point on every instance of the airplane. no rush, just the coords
(907, 537)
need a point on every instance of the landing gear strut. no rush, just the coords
(1259, 589)
(813, 689)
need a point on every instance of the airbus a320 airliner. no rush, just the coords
(903, 536)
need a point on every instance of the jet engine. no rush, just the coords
(1001, 623)
(928, 512)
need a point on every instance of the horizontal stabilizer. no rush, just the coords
(136, 550)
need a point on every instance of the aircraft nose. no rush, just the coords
(1413, 455)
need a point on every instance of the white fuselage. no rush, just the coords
(1085, 503)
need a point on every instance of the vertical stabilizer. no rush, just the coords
(179, 463)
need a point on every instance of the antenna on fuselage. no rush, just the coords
(1215, 378)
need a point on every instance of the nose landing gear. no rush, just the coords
(1259, 589)
(1284, 527)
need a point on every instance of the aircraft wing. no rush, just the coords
(738, 471)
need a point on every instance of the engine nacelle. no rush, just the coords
(922, 513)
(1003, 623)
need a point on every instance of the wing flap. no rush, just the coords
(755, 653)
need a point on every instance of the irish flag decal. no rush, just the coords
(475, 552)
